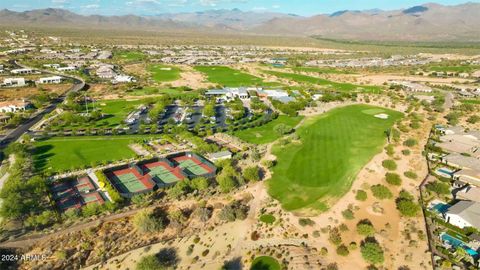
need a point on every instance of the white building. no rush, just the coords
(50, 80)
(123, 79)
(14, 82)
(56, 66)
(22, 71)
(413, 87)
(464, 214)
(13, 106)
(214, 157)
(66, 69)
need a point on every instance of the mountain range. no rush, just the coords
(428, 22)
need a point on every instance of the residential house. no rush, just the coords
(66, 69)
(106, 72)
(220, 156)
(13, 106)
(50, 80)
(468, 193)
(123, 79)
(412, 86)
(471, 176)
(464, 214)
(14, 82)
(22, 71)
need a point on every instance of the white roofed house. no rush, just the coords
(106, 72)
(66, 69)
(13, 106)
(14, 82)
(123, 79)
(22, 71)
(50, 80)
(464, 214)
(220, 156)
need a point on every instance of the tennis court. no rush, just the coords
(164, 173)
(192, 167)
(128, 183)
(93, 197)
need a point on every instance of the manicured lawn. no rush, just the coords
(265, 263)
(114, 111)
(163, 73)
(333, 149)
(471, 101)
(267, 218)
(65, 153)
(130, 55)
(330, 85)
(457, 69)
(230, 77)
(265, 134)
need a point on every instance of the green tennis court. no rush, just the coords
(129, 183)
(192, 167)
(163, 174)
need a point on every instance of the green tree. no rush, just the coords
(381, 192)
(251, 174)
(365, 228)
(389, 164)
(393, 179)
(361, 195)
(145, 222)
(199, 183)
(372, 252)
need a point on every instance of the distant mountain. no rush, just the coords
(429, 22)
(232, 19)
(61, 18)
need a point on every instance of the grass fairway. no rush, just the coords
(265, 263)
(65, 153)
(333, 149)
(230, 77)
(162, 73)
(265, 134)
(130, 56)
(471, 101)
(330, 85)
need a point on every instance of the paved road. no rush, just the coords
(14, 135)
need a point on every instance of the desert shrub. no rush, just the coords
(389, 164)
(361, 195)
(145, 222)
(306, 222)
(348, 214)
(410, 174)
(381, 192)
(342, 250)
(393, 179)
(365, 228)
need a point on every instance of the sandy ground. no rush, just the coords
(398, 236)
(26, 92)
(191, 78)
(384, 78)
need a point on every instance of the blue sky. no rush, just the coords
(152, 7)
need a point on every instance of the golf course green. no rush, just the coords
(163, 73)
(334, 147)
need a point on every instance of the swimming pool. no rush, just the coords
(445, 172)
(455, 242)
(440, 207)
